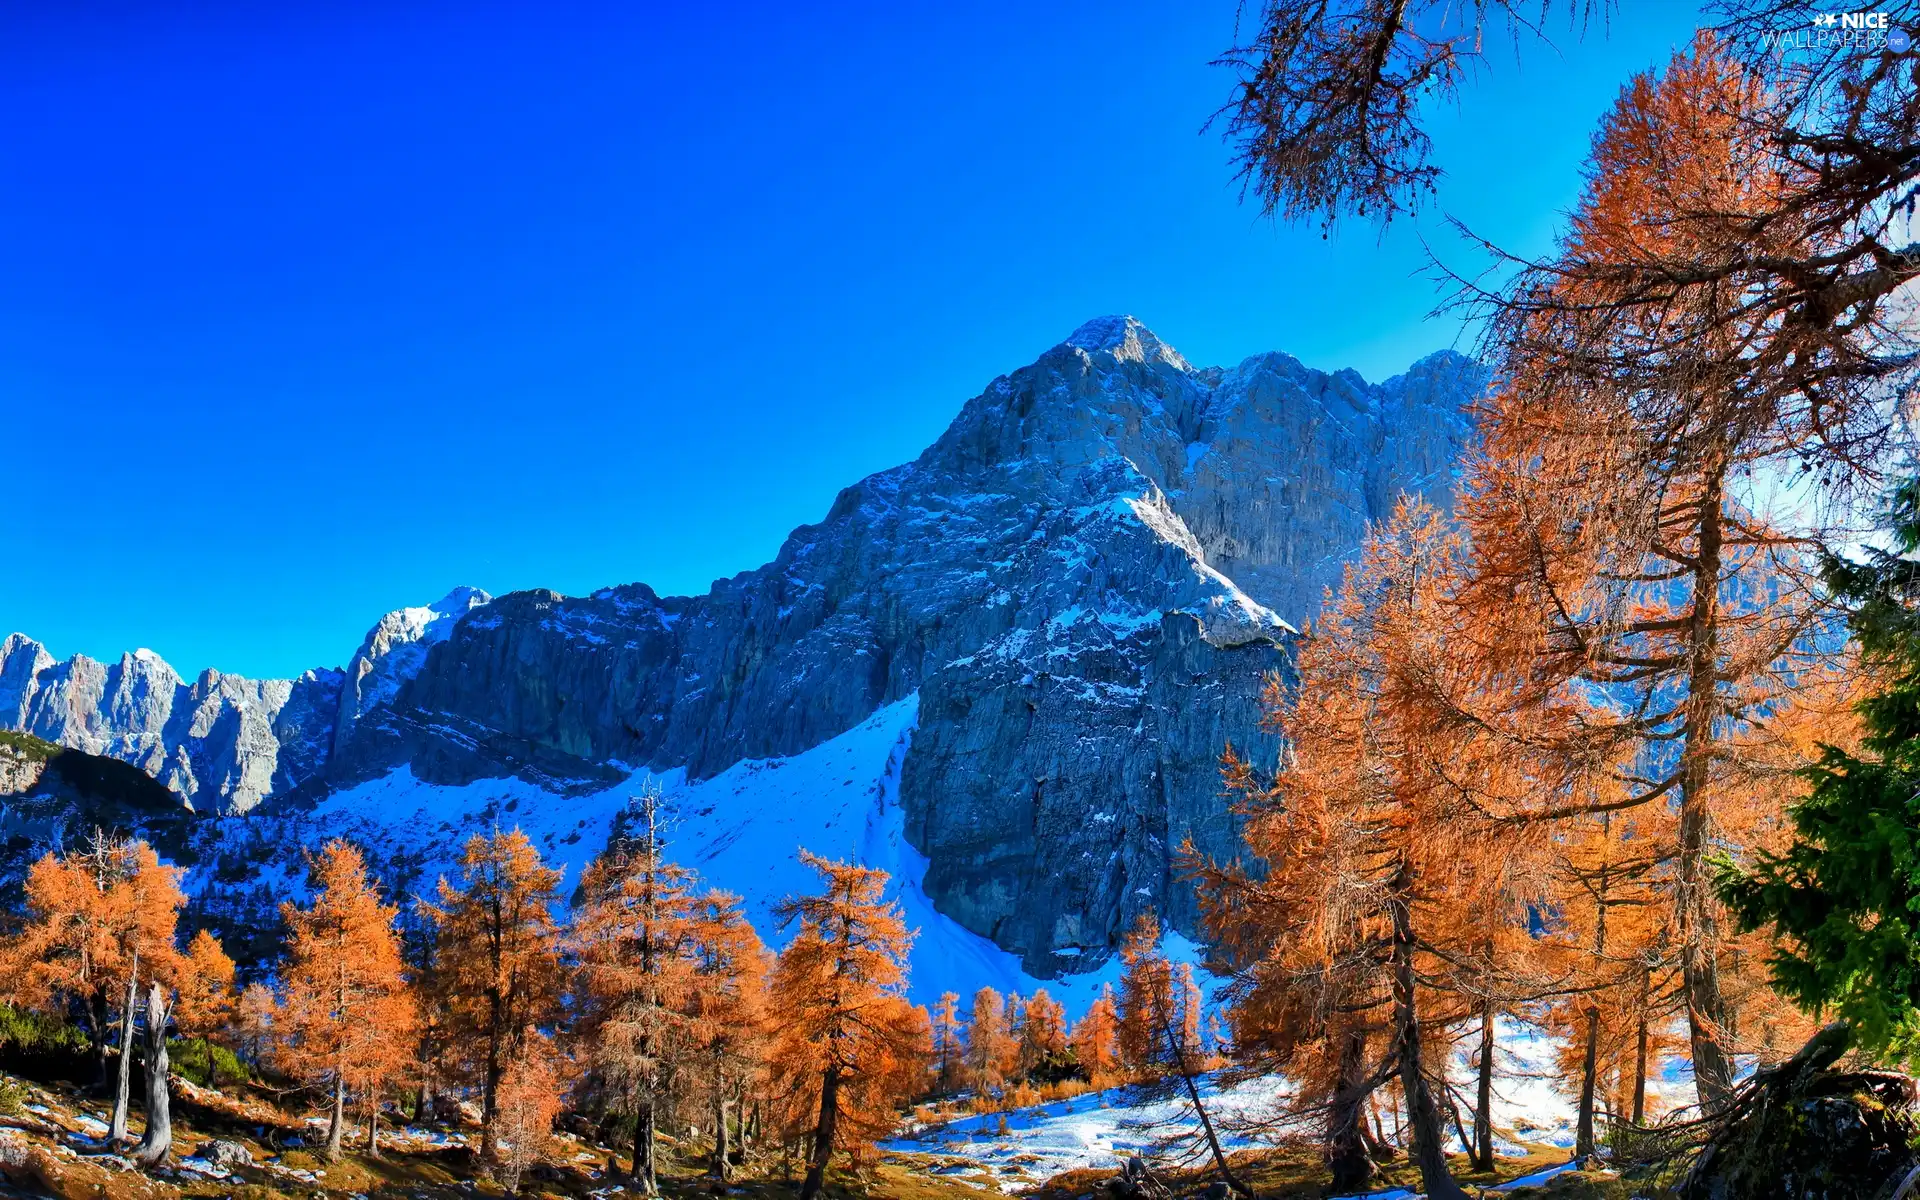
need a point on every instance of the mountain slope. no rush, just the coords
(1083, 584)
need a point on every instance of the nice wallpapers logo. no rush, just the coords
(1828, 30)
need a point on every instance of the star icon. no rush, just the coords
(1821, 20)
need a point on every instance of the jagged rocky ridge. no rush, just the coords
(1086, 580)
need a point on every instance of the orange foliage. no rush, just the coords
(347, 1020)
(947, 1045)
(532, 1089)
(205, 1005)
(850, 1048)
(634, 940)
(728, 1021)
(499, 966)
(1397, 843)
(1639, 570)
(993, 1052)
(1095, 1041)
(1043, 1031)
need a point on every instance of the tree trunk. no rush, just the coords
(490, 1088)
(1583, 1131)
(1213, 1140)
(154, 1147)
(823, 1133)
(1483, 1090)
(1459, 1122)
(1377, 1140)
(645, 1127)
(1183, 1064)
(101, 1014)
(337, 1126)
(1640, 1073)
(206, 1054)
(1712, 1070)
(373, 1125)
(123, 1090)
(722, 1151)
(424, 1106)
(1347, 1155)
(1423, 1116)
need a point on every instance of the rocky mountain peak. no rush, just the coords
(1127, 340)
(392, 653)
(1080, 589)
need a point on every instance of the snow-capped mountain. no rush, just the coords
(1080, 589)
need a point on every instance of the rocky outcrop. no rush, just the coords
(1086, 579)
(22, 763)
(223, 742)
(52, 797)
(393, 652)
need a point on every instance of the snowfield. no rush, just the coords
(741, 830)
(1099, 1130)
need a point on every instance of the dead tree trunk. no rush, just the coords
(123, 1090)
(158, 1142)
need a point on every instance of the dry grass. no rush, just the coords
(55, 1120)
(60, 1122)
(1297, 1171)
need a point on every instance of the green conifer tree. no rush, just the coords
(1844, 896)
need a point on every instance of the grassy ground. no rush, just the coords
(59, 1127)
(1292, 1172)
(50, 1146)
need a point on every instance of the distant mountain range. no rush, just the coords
(1061, 613)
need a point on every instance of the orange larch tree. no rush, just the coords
(498, 970)
(948, 1046)
(727, 1018)
(1043, 1033)
(205, 1007)
(101, 923)
(254, 1017)
(1157, 1033)
(347, 1019)
(993, 1051)
(531, 1093)
(1095, 1045)
(64, 955)
(1642, 528)
(633, 940)
(850, 1048)
(1146, 992)
(1396, 831)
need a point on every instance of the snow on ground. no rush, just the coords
(741, 830)
(1100, 1129)
(1530, 1103)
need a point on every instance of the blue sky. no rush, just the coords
(311, 311)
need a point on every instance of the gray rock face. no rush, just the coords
(1087, 579)
(393, 652)
(19, 771)
(222, 742)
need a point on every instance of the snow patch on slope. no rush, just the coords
(741, 830)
